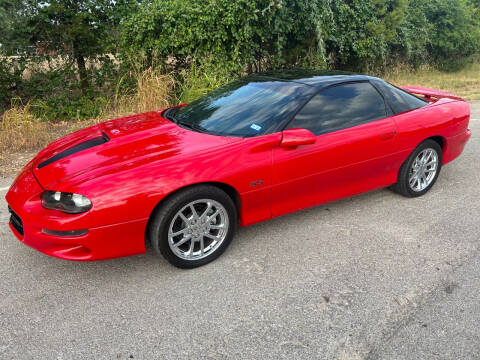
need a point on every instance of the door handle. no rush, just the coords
(388, 135)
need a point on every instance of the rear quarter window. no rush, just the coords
(398, 99)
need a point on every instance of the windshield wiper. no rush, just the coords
(169, 114)
(192, 126)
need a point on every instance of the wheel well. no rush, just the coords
(440, 140)
(228, 189)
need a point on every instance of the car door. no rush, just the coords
(352, 152)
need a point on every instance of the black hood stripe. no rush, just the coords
(74, 149)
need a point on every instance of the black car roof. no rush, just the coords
(318, 78)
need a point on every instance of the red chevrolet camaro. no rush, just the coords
(263, 146)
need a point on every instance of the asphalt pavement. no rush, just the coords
(376, 276)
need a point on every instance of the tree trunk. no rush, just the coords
(82, 69)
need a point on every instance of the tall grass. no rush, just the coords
(154, 90)
(199, 80)
(21, 130)
(464, 82)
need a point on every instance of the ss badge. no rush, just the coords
(256, 183)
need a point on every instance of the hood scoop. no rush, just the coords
(99, 140)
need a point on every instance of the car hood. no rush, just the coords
(129, 141)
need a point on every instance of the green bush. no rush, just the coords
(443, 32)
(254, 35)
(258, 34)
(353, 42)
(455, 32)
(55, 94)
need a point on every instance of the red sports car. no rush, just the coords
(263, 146)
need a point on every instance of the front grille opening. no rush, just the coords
(16, 221)
(65, 233)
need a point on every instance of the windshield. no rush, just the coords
(246, 107)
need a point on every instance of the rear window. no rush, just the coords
(399, 100)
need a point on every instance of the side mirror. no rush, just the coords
(296, 137)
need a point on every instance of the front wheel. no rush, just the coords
(420, 171)
(194, 226)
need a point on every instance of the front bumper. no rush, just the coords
(29, 220)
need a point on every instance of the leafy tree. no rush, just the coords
(11, 68)
(5, 21)
(352, 41)
(259, 34)
(389, 14)
(252, 33)
(10, 25)
(413, 35)
(455, 32)
(78, 29)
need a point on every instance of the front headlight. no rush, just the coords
(66, 202)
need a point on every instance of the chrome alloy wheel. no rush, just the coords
(198, 229)
(423, 170)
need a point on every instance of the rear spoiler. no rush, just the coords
(430, 94)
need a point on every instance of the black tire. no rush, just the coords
(402, 186)
(163, 216)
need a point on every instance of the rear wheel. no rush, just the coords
(194, 227)
(420, 171)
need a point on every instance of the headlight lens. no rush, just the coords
(66, 202)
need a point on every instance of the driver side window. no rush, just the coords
(340, 107)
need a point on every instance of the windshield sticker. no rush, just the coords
(256, 127)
